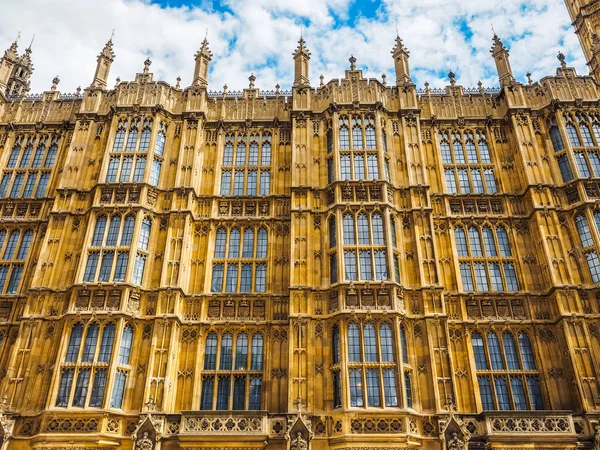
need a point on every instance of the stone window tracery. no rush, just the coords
(240, 260)
(364, 247)
(468, 166)
(507, 375)
(88, 363)
(232, 371)
(29, 166)
(249, 172)
(588, 243)
(486, 261)
(109, 249)
(358, 157)
(14, 248)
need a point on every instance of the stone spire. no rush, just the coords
(15, 70)
(203, 58)
(301, 58)
(105, 60)
(500, 54)
(400, 54)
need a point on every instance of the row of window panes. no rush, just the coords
(363, 134)
(13, 272)
(247, 155)
(237, 280)
(492, 276)
(464, 153)
(473, 181)
(231, 392)
(245, 182)
(587, 242)
(475, 249)
(43, 157)
(248, 247)
(232, 357)
(133, 143)
(91, 353)
(36, 183)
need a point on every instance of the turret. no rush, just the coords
(301, 58)
(500, 54)
(15, 70)
(203, 58)
(105, 60)
(400, 54)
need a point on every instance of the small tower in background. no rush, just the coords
(15, 70)
(203, 58)
(500, 54)
(105, 60)
(301, 58)
(585, 16)
(401, 54)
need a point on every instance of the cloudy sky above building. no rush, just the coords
(259, 36)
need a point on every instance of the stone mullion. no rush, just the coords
(170, 375)
(541, 221)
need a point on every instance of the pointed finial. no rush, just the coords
(78, 91)
(206, 35)
(321, 78)
(112, 35)
(529, 80)
(384, 79)
(117, 81)
(252, 79)
(427, 87)
(30, 44)
(301, 28)
(224, 89)
(178, 82)
(352, 60)
(18, 37)
(147, 65)
(493, 31)
(277, 89)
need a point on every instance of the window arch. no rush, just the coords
(344, 133)
(332, 232)
(584, 231)
(232, 376)
(511, 382)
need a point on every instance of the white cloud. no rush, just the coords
(260, 35)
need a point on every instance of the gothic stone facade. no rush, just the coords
(353, 265)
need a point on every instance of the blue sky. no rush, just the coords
(259, 36)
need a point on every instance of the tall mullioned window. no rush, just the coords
(14, 248)
(358, 155)
(29, 166)
(372, 378)
(583, 133)
(246, 168)
(468, 166)
(92, 357)
(364, 247)
(486, 261)
(506, 371)
(588, 244)
(131, 154)
(108, 252)
(232, 372)
(240, 260)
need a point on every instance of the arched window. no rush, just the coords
(586, 135)
(393, 232)
(503, 241)
(526, 352)
(471, 152)
(332, 232)
(108, 336)
(488, 240)
(344, 133)
(144, 239)
(113, 231)
(241, 351)
(404, 345)
(475, 241)
(378, 233)
(266, 150)
(74, 343)
(128, 231)
(335, 333)
(220, 242)
(356, 388)
(345, 167)
(91, 340)
(512, 359)
(25, 244)
(226, 351)
(349, 229)
(210, 353)
(459, 154)
(248, 248)
(573, 136)
(370, 341)
(370, 137)
(363, 230)
(354, 343)
(261, 250)
(584, 231)
(484, 152)
(119, 138)
(126, 341)
(385, 339)
(479, 351)
(234, 243)
(485, 391)
(461, 242)
(257, 352)
(446, 153)
(502, 393)
(495, 352)
(99, 231)
(357, 135)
